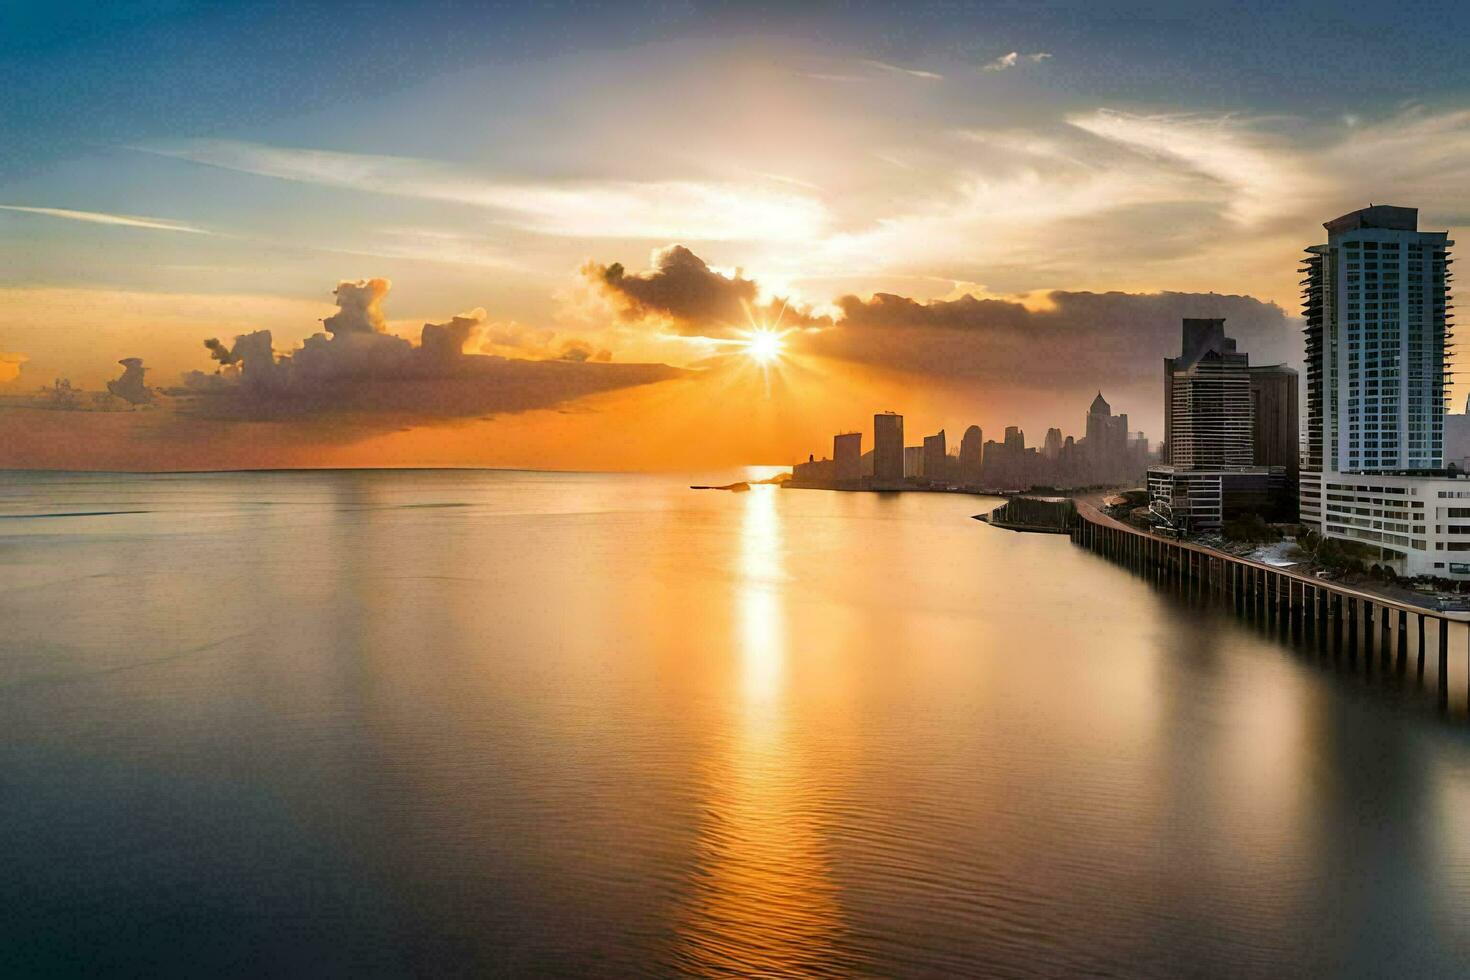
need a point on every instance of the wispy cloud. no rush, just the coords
(663, 209)
(102, 218)
(1014, 58)
(1259, 176)
(901, 70)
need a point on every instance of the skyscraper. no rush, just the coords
(1052, 447)
(972, 455)
(888, 448)
(935, 457)
(1207, 400)
(1375, 300)
(1210, 471)
(847, 457)
(1275, 425)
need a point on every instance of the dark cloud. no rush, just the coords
(358, 369)
(219, 351)
(129, 386)
(687, 295)
(1097, 338)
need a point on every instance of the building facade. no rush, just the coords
(1207, 400)
(888, 448)
(847, 457)
(972, 456)
(1376, 301)
(935, 465)
(1211, 469)
(1276, 418)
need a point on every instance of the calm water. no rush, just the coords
(470, 722)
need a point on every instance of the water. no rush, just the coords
(465, 722)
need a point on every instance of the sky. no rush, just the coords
(542, 235)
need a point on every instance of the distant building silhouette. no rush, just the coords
(1052, 447)
(888, 448)
(913, 462)
(936, 460)
(972, 456)
(847, 457)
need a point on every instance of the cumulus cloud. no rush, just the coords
(358, 309)
(10, 365)
(129, 386)
(683, 293)
(357, 368)
(1014, 58)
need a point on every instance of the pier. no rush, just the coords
(1348, 620)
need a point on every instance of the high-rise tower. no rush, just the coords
(1375, 297)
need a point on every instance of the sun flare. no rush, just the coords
(764, 346)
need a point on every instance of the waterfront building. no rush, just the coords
(847, 457)
(1375, 298)
(972, 456)
(1207, 400)
(935, 465)
(814, 471)
(888, 450)
(1275, 419)
(913, 462)
(1209, 471)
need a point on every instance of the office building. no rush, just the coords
(1209, 471)
(972, 456)
(1275, 418)
(847, 457)
(1207, 400)
(935, 458)
(1052, 447)
(1375, 297)
(888, 448)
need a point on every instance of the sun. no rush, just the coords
(764, 346)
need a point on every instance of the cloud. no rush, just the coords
(685, 295)
(1097, 339)
(1254, 171)
(661, 209)
(1014, 58)
(900, 70)
(10, 366)
(358, 369)
(358, 309)
(102, 218)
(129, 386)
(1054, 338)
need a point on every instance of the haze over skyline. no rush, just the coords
(968, 216)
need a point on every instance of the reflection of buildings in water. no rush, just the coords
(762, 901)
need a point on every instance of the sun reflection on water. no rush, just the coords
(764, 902)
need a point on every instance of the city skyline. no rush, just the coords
(981, 228)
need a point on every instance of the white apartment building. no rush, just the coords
(1376, 304)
